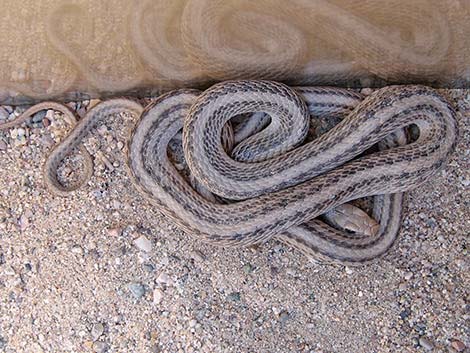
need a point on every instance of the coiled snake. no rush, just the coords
(273, 183)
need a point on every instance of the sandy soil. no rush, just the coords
(102, 271)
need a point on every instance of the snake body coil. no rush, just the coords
(280, 194)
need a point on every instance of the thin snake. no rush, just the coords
(276, 182)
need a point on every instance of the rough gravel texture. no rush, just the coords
(102, 271)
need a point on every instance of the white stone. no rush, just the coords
(143, 243)
(157, 296)
(164, 279)
(408, 276)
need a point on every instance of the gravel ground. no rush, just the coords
(101, 271)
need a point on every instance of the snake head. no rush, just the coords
(353, 219)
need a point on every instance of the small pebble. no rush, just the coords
(96, 331)
(9, 271)
(3, 145)
(100, 347)
(21, 132)
(77, 250)
(105, 161)
(163, 279)
(137, 290)
(284, 316)
(148, 267)
(426, 343)
(248, 268)
(23, 222)
(234, 296)
(157, 296)
(37, 118)
(4, 114)
(408, 276)
(21, 141)
(143, 243)
(102, 130)
(81, 112)
(50, 114)
(19, 109)
(405, 313)
(114, 232)
(458, 345)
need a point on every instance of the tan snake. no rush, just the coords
(279, 184)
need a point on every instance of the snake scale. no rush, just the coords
(276, 182)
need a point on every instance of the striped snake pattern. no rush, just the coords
(278, 181)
